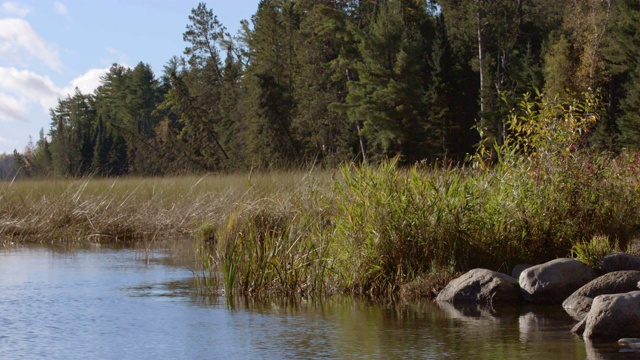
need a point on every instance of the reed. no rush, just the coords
(377, 230)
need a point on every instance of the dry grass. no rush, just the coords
(106, 210)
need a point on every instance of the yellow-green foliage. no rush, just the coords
(590, 252)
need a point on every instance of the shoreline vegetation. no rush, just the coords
(379, 230)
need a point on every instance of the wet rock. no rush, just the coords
(577, 306)
(579, 303)
(578, 328)
(553, 281)
(481, 286)
(518, 269)
(631, 343)
(614, 316)
(620, 262)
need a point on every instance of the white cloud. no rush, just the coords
(12, 109)
(15, 9)
(20, 42)
(24, 87)
(86, 82)
(60, 8)
(29, 85)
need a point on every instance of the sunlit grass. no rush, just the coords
(133, 208)
(376, 230)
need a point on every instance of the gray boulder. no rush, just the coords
(614, 316)
(481, 286)
(619, 262)
(553, 281)
(579, 303)
(518, 269)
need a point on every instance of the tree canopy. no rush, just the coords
(332, 81)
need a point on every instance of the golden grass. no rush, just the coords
(106, 210)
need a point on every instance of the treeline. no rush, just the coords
(329, 81)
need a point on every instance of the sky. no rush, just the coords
(48, 48)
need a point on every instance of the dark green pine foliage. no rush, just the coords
(197, 90)
(623, 55)
(142, 96)
(103, 144)
(71, 135)
(270, 84)
(387, 94)
(232, 128)
(112, 111)
(323, 136)
(441, 126)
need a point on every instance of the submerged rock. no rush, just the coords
(553, 281)
(620, 262)
(614, 316)
(579, 303)
(481, 286)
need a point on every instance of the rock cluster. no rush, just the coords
(607, 306)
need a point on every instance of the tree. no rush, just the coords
(71, 135)
(387, 94)
(270, 83)
(622, 53)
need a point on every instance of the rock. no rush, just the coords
(518, 269)
(578, 328)
(614, 316)
(553, 281)
(481, 286)
(577, 306)
(632, 343)
(579, 303)
(619, 262)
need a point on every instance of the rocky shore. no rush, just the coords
(605, 301)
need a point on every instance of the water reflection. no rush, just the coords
(100, 302)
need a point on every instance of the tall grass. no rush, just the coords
(102, 210)
(377, 230)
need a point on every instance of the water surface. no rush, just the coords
(102, 303)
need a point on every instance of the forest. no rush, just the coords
(327, 82)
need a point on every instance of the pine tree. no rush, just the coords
(270, 83)
(387, 96)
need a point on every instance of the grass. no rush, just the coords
(382, 231)
(107, 210)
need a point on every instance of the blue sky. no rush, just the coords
(47, 48)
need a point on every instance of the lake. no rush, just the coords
(106, 303)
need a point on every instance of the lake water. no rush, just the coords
(98, 303)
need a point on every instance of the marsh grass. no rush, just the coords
(382, 231)
(107, 210)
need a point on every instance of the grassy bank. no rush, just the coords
(376, 230)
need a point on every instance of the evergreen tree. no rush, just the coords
(387, 96)
(270, 82)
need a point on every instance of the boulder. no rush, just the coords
(553, 281)
(579, 303)
(481, 286)
(631, 343)
(578, 328)
(518, 269)
(614, 316)
(619, 262)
